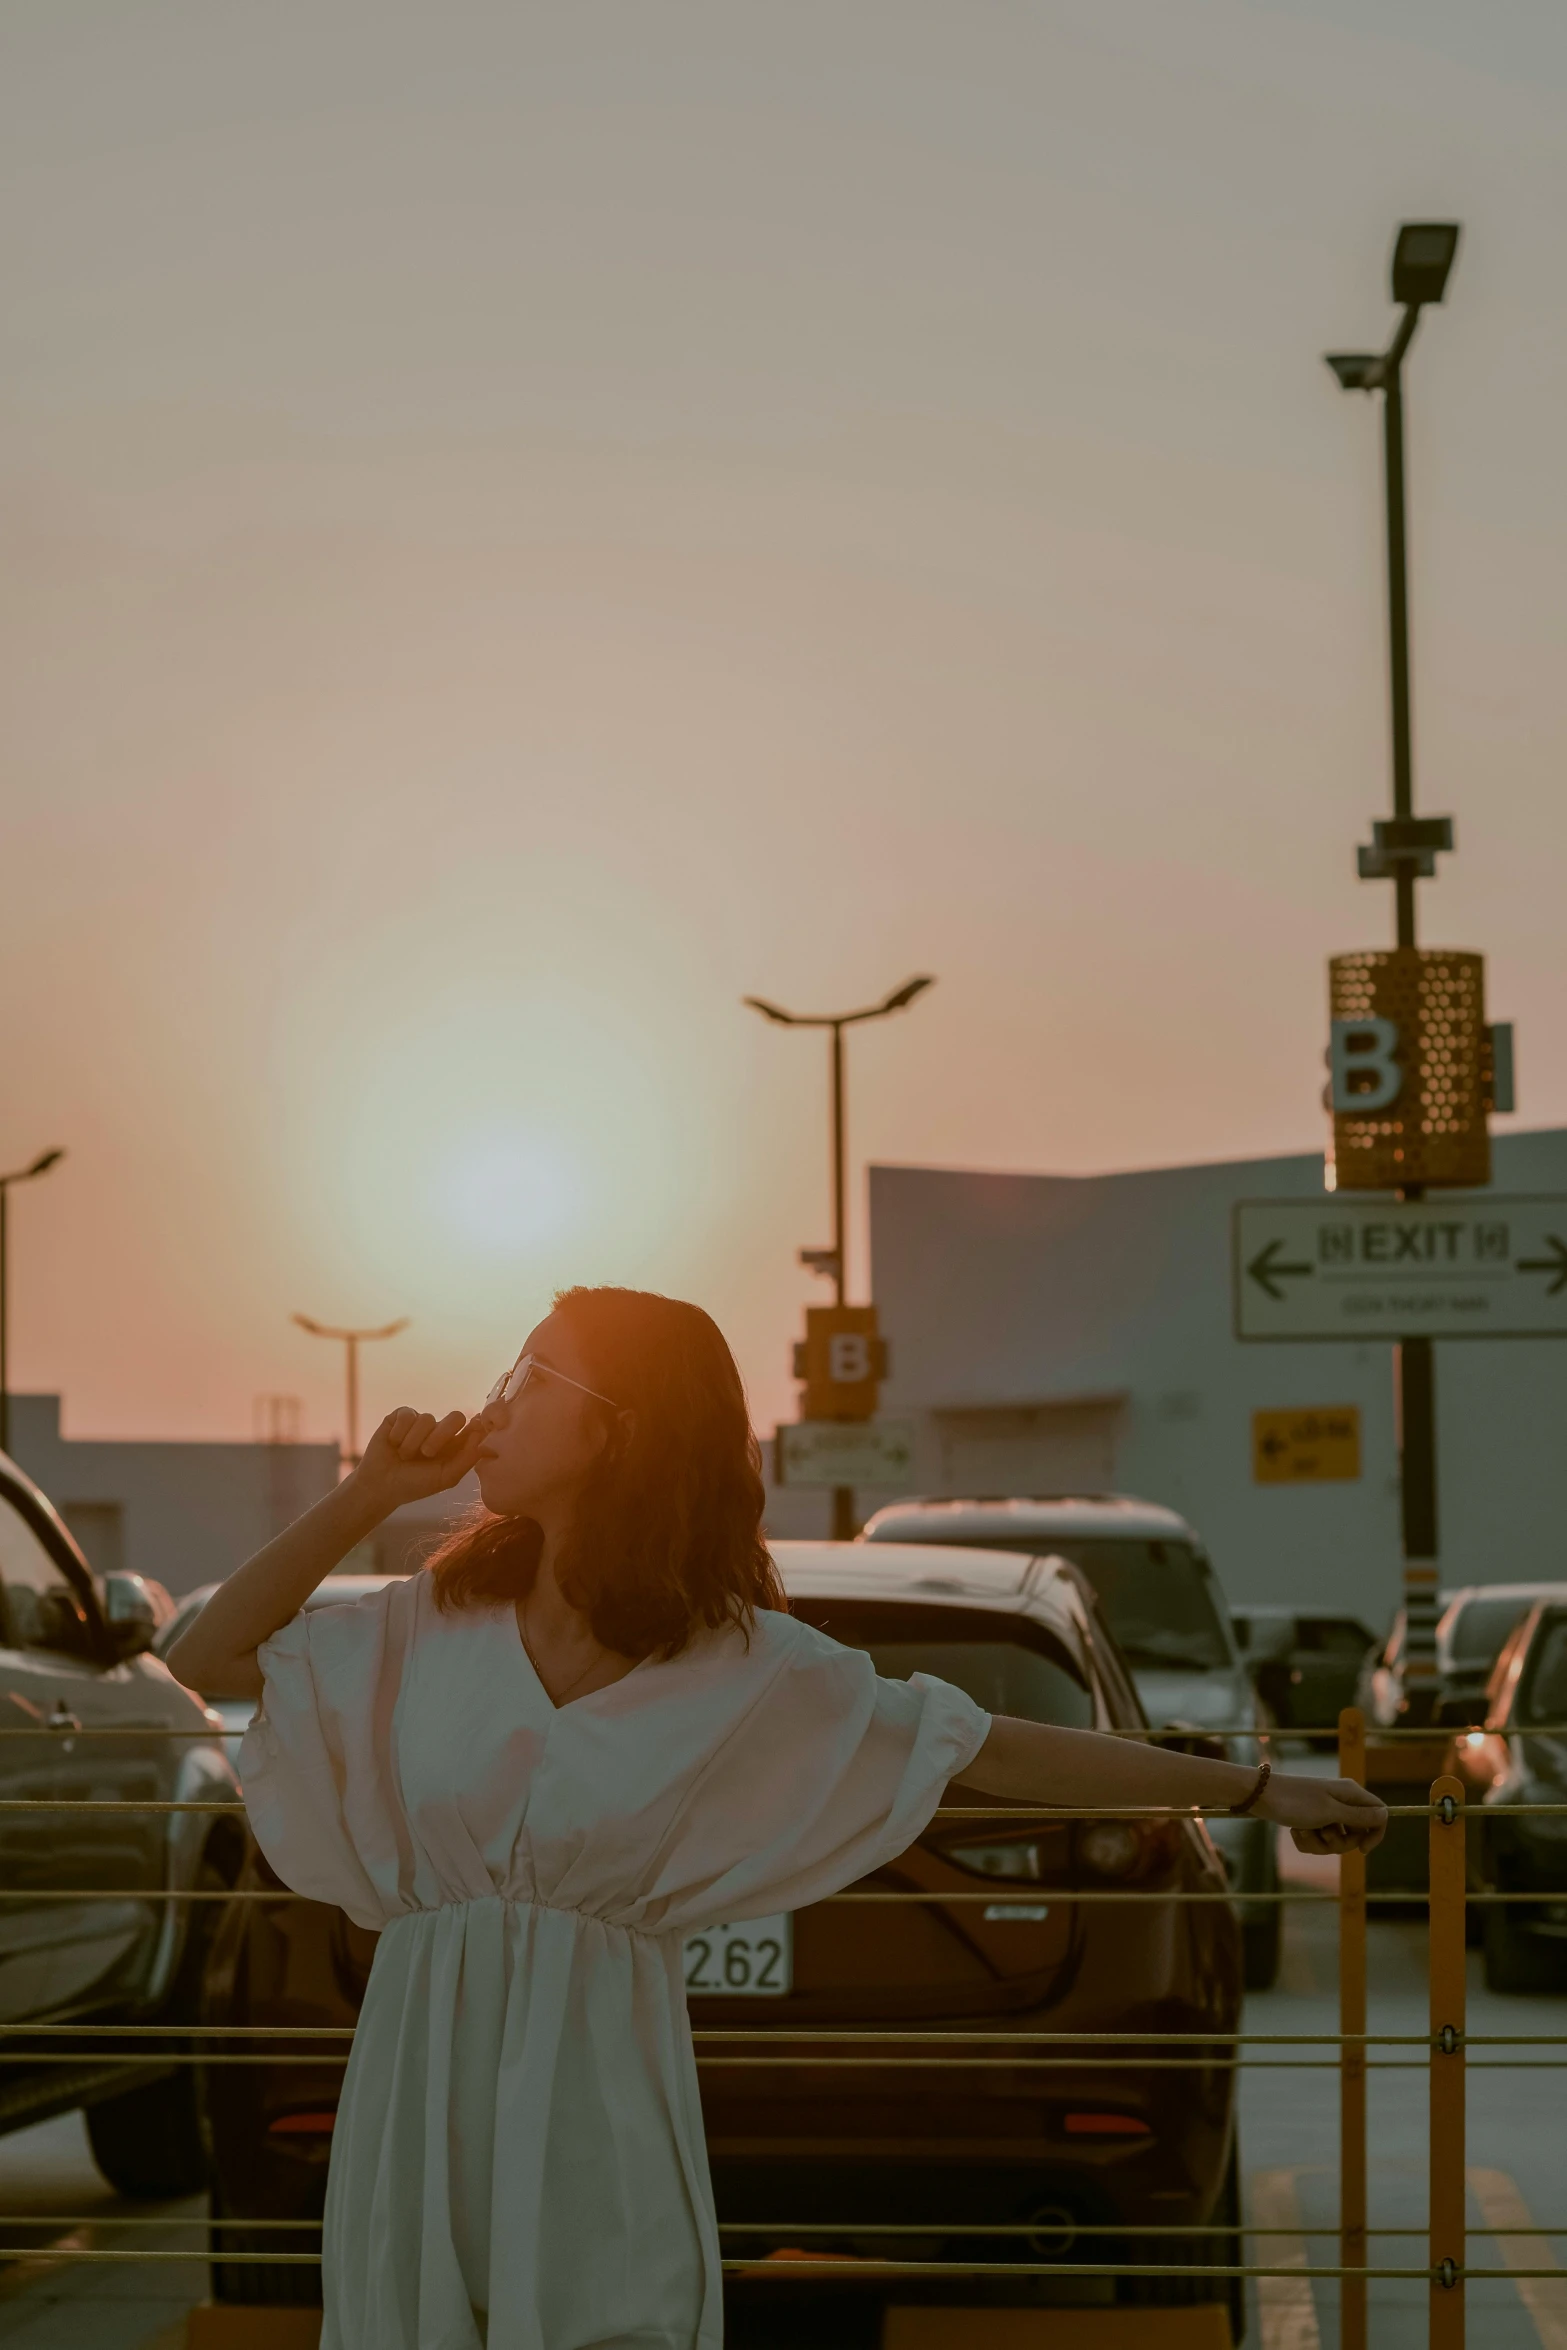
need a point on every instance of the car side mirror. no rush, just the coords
(1461, 1712)
(131, 1614)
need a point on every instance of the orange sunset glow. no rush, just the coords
(525, 526)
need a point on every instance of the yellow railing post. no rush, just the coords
(1447, 2064)
(1352, 2050)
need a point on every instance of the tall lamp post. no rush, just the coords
(1404, 851)
(40, 1166)
(351, 1339)
(824, 1260)
(833, 1261)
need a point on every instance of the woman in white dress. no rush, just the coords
(589, 1728)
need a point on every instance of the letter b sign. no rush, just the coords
(848, 1357)
(1364, 1074)
(842, 1363)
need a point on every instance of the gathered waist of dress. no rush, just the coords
(466, 1904)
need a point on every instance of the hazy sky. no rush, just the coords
(524, 524)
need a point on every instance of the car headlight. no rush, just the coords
(1111, 1848)
(1017, 1861)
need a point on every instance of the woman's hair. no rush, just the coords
(667, 1532)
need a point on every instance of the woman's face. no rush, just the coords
(541, 1445)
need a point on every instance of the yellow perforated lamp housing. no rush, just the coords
(1431, 1004)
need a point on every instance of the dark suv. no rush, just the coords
(85, 1933)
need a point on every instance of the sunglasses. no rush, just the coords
(512, 1383)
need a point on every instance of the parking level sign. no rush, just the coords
(845, 1452)
(1365, 1268)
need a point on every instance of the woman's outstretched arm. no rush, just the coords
(410, 1456)
(1084, 1770)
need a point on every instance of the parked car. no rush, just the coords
(74, 1661)
(235, 1713)
(1475, 1627)
(1304, 1668)
(1379, 1692)
(1088, 2143)
(1168, 1614)
(1514, 1752)
(1472, 1629)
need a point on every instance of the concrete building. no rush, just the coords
(1054, 1333)
(188, 1513)
(182, 1513)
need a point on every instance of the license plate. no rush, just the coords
(755, 1960)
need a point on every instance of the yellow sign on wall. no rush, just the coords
(1313, 1447)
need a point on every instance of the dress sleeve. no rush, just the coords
(830, 1776)
(316, 1765)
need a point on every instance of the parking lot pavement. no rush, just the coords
(1517, 2146)
(66, 2304)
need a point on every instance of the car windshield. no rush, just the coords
(1482, 1629)
(1008, 1666)
(1158, 1601)
(1543, 1697)
(1156, 1596)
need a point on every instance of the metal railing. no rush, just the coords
(1444, 2055)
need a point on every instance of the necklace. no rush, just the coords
(522, 1627)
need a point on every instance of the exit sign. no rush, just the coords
(1493, 1266)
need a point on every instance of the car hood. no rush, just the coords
(1206, 1700)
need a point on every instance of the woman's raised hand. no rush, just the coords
(1324, 1815)
(413, 1454)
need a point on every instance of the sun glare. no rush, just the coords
(466, 1160)
(510, 1195)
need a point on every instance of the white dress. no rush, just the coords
(519, 2157)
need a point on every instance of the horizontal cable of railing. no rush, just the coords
(1011, 2064)
(826, 2227)
(1216, 2037)
(1170, 1734)
(1020, 1893)
(1018, 1813)
(839, 2267)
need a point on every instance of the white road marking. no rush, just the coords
(1285, 2307)
(1503, 2207)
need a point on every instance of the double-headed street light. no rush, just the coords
(40, 1166)
(832, 1260)
(349, 1458)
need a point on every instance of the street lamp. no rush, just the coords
(1404, 850)
(40, 1166)
(351, 1338)
(831, 1260)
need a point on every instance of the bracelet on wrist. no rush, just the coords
(1264, 1774)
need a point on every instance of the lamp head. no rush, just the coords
(45, 1160)
(907, 992)
(1357, 371)
(1422, 258)
(769, 1011)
